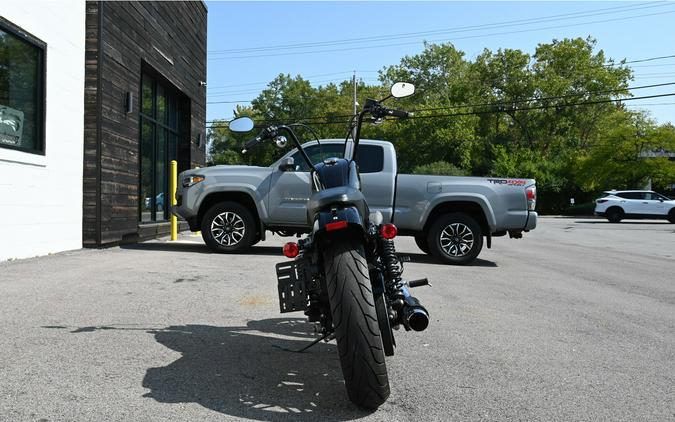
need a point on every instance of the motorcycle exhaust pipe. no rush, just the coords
(415, 316)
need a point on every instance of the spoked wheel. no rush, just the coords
(455, 238)
(355, 323)
(228, 227)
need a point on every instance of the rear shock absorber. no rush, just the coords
(392, 265)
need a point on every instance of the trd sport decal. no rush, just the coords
(513, 182)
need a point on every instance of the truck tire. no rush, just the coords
(355, 323)
(228, 227)
(422, 243)
(455, 238)
(614, 215)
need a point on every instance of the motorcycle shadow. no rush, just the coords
(243, 372)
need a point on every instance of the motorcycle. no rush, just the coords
(345, 275)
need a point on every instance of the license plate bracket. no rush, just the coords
(292, 287)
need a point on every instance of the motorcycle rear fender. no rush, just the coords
(338, 221)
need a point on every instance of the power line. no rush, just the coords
(557, 97)
(471, 113)
(250, 91)
(365, 71)
(519, 22)
(518, 101)
(440, 40)
(650, 59)
(306, 78)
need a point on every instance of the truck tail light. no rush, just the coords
(531, 194)
(388, 231)
(291, 250)
(336, 225)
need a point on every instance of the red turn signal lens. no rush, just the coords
(388, 231)
(291, 250)
(336, 225)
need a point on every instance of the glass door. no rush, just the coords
(159, 134)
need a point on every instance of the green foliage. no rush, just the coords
(506, 113)
(439, 168)
(615, 157)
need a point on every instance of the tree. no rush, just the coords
(618, 157)
(550, 115)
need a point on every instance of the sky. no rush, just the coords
(244, 39)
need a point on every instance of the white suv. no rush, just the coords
(617, 205)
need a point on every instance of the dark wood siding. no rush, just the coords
(122, 39)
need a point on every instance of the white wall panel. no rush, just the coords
(41, 196)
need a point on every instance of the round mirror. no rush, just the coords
(281, 141)
(241, 124)
(402, 89)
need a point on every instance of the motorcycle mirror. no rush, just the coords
(241, 124)
(281, 141)
(402, 89)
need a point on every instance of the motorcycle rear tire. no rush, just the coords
(355, 323)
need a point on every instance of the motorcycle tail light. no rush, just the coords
(388, 231)
(336, 225)
(291, 250)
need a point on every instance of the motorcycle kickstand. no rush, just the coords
(327, 335)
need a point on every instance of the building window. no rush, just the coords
(159, 118)
(22, 97)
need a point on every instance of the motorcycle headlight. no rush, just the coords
(192, 180)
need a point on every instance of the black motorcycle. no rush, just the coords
(346, 275)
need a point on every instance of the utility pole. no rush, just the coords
(354, 85)
(354, 111)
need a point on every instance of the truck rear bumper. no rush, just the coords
(531, 222)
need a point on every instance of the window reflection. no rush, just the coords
(21, 95)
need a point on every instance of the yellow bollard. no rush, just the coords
(173, 182)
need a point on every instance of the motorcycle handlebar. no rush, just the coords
(379, 111)
(267, 133)
(401, 114)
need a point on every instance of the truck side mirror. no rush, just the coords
(287, 164)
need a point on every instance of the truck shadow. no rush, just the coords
(243, 371)
(421, 258)
(199, 248)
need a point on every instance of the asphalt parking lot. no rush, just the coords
(574, 322)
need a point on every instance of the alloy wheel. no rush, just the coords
(456, 239)
(228, 228)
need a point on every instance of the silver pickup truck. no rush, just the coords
(449, 216)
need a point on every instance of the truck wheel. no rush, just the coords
(455, 238)
(228, 227)
(614, 215)
(421, 241)
(357, 331)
